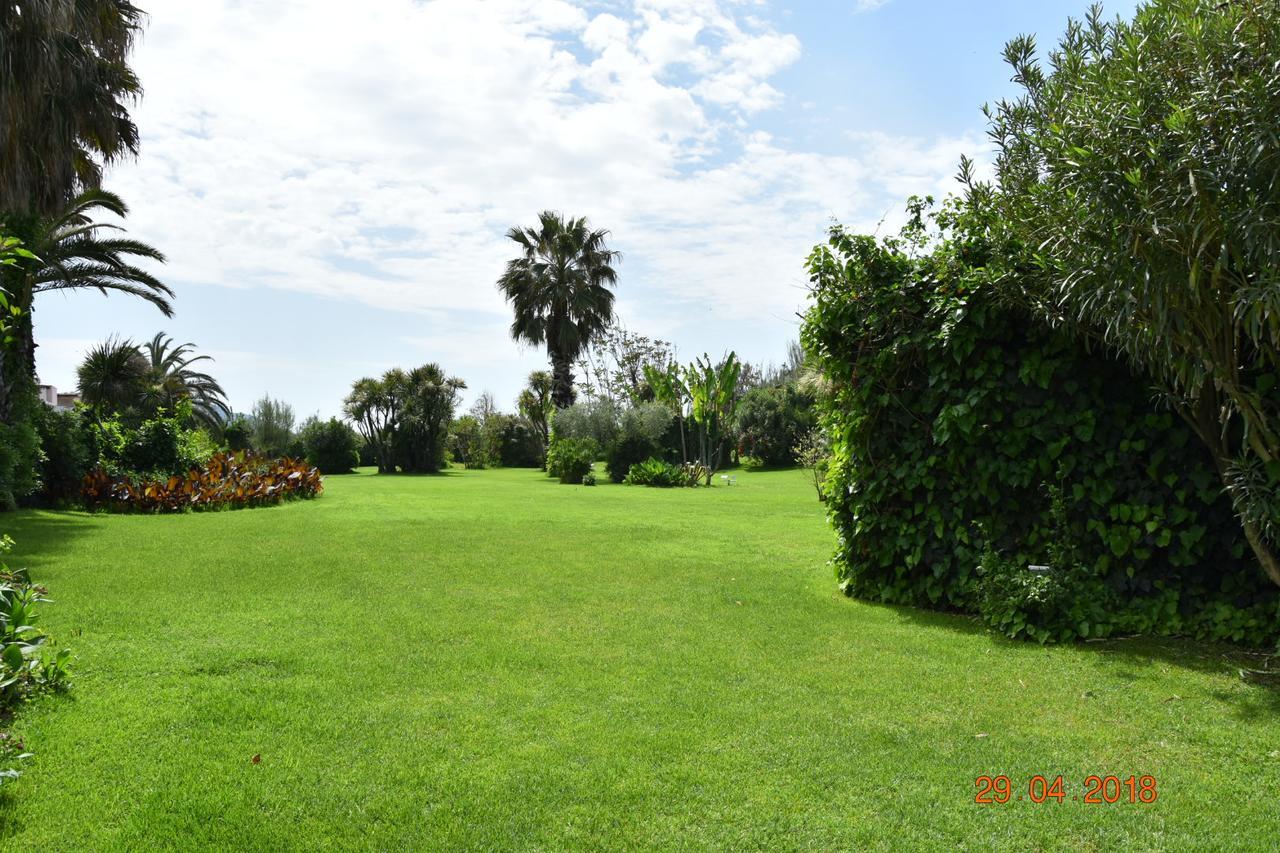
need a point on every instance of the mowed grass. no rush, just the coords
(493, 660)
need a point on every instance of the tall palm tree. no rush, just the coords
(77, 253)
(112, 376)
(171, 378)
(65, 87)
(559, 289)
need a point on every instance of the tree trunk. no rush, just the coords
(1204, 417)
(1265, 555)
(562, 392)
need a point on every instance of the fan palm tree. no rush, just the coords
(65, 85)
(559, 289)
(113, 376)
(171, 378)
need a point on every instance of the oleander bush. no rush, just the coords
(970, 441)
(226, 481)
(571, 459)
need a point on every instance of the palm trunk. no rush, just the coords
(561, 380)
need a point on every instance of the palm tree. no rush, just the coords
(170, 379)
(559, 289)
(65, 85)
(113, 376)
(76, 253)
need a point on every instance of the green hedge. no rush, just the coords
(971, 443)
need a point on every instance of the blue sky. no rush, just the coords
(332, 187)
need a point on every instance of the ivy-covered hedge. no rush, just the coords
(226, 481)
(971, 443)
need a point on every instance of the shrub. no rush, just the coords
(665, 475)
(597, 420)
(570, 459)
(957, 419)
(771, 421)
(238, 435)
(521, 444)
(25, 668)
(332, 446)
(67, 446)
(813, 453)
(589, 478)
(642, 431)
(467, 443)
(26, 665)
(226, 481)
(19, 451)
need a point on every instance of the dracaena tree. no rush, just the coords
(560, 290)
(1140, 167)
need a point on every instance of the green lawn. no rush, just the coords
(491, 659)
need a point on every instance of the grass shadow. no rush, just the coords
(1130, 658)
(42, 536)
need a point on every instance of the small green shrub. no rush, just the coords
(26, 665)
(589, 478)
(238, 434)
(570, 459)
(332, 446)
(665, 475)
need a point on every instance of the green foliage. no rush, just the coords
(225, 481)
(813, 453)
(570, 459)
(589, 478)
(27, 667)
(332, 446)
(238, 434)
(67, 443)
(665, 475)
(271, 427)
(597, 420)
(19, 448)
(712, 391)
(521, 444)
(771, 421)
(641, 435)
(956, 419)
(467, 443)
(1143, 164)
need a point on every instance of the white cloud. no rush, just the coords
(378, 152)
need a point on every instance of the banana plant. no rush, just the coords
(669, 389)
(712, 390)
